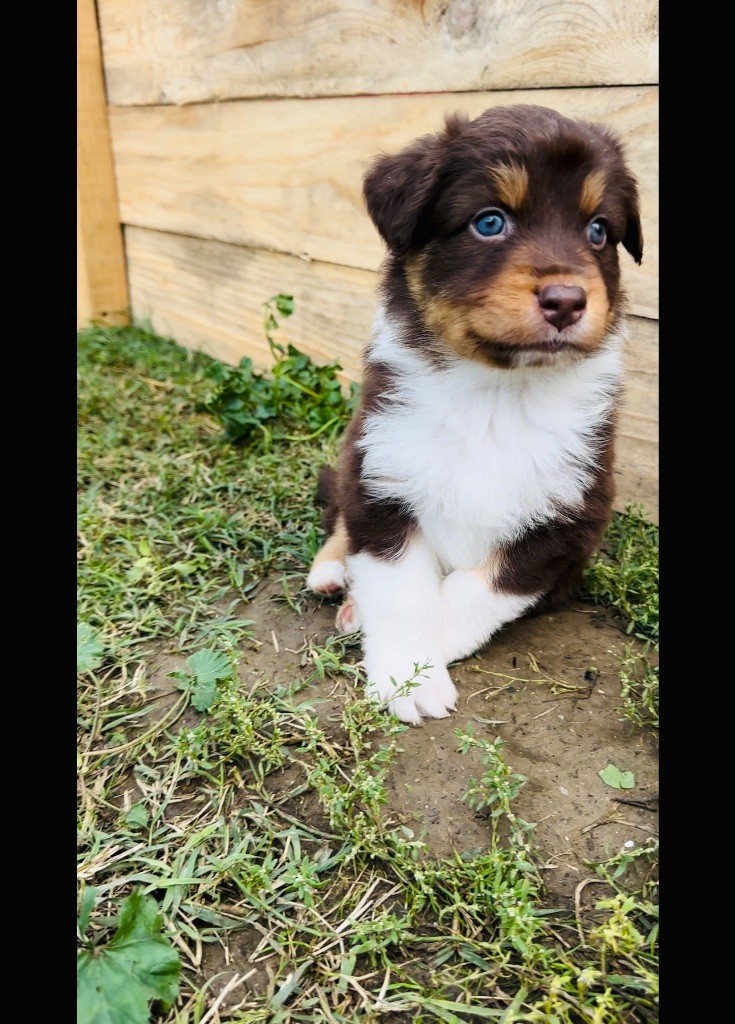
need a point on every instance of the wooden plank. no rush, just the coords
(101, 283)
(636, 465)
(209, 295)
(84, 294)
(165, 51)
(287, 175)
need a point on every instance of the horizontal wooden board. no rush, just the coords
(286, 175)
(166, 51)
(209, 295)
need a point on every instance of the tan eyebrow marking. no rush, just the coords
(593, 189)
(511, 182)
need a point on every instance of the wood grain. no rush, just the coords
(208, 295)
(286, 175)
(101, 283)
(637, 466)
(185, 51)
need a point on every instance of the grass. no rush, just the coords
(624, 576)
(231, 808)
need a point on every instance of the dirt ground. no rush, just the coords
(559, 741)
(548, 686)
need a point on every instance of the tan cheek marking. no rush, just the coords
(455, 322)
(599, 310)
(335, 547)
(593, 189)
(439, 316)
(452, 322)
(504, 310)
(507, 309)
(511, 184)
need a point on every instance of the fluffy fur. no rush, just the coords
(475, 479)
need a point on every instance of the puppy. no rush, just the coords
(476, 478)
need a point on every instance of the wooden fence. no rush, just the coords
(241, 130)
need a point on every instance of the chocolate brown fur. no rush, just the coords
(451, 297)
(379, 527)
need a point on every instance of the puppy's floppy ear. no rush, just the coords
(633, 236)
(625, 188)
(398, 188)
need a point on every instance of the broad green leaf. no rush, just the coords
(468, 954)
(116, 983)
(617, 779)
(444, 1014)
(89, 648)
(285, 304)
(208, 668)
(203, 695)
(137, 815)
(347, 966)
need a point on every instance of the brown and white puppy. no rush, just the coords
(475, 480)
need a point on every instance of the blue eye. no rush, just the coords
(488, 223)
(597, 233)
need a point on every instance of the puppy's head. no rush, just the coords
(507, 231)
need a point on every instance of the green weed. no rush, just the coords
(116, 982)
(297, 396)
(249, 833)
(625, 576)
(625, 573)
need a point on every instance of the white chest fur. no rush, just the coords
(480, 455)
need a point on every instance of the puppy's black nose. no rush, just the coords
(562, 304)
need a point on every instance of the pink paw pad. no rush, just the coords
(347, 620)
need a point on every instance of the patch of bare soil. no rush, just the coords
(549, 687)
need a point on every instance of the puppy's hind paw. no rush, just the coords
(348, 617)
(326, 577)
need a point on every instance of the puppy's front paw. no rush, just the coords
(326, 577)
(433, 696)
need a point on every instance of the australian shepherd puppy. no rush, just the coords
(476, 478)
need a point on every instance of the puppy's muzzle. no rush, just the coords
(562, 305)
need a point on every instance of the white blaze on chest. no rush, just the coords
(480, 455)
